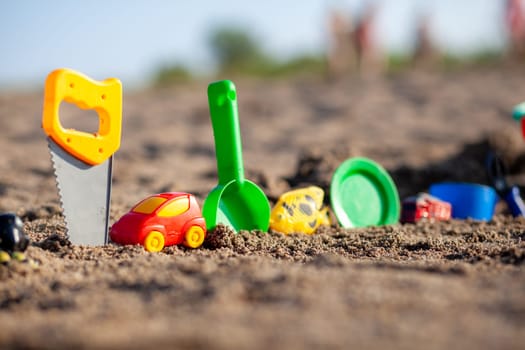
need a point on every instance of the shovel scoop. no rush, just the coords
(235, 201)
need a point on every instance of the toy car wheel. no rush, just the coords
(194, 237)
(154, 241)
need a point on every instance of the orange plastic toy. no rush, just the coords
(103, 96)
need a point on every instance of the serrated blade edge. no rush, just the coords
(85, 193)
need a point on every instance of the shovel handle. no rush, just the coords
(105, 97)
(515, 202)
(222, 99)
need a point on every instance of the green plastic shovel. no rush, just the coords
(235, 201)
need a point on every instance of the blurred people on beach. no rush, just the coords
(341, 54)
(369, 59)
(352, 47)
(425, 53)
(515, 24)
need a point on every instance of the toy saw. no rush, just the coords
(83, 161)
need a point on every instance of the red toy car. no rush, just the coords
(161, 220)
(424, 206)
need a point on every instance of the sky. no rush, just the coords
(130, 39)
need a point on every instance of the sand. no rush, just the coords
(454, 284)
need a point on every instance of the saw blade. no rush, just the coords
(85, 193)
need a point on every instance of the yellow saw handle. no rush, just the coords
(105, 97)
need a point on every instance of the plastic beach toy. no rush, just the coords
(299, 211)
(13, 240)
(468, 200)
(363, 194)
(160, 220)
(424, 207)
(83, 161)
(235, 201)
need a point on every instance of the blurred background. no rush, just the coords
(156, 42)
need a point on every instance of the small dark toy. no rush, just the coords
(12, 236)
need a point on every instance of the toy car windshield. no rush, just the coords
(148, 205)
(176, 207)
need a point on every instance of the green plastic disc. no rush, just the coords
(363, 194)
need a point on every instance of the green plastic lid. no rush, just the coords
(363, 194)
